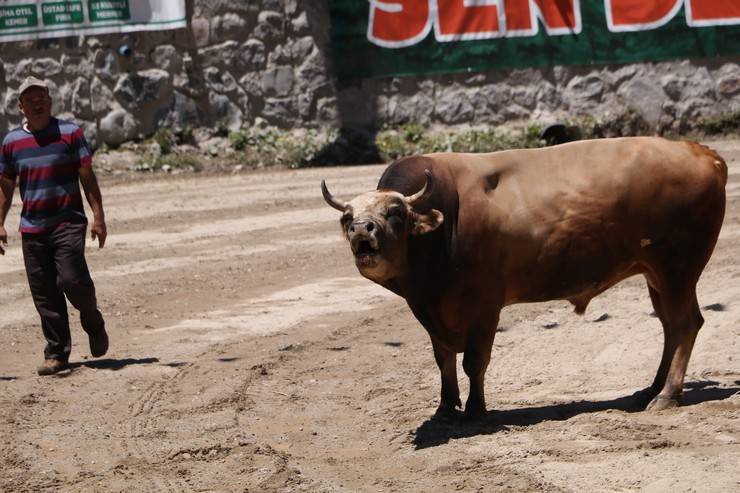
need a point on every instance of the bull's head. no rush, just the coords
(378, 224)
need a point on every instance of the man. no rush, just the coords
(49, 158)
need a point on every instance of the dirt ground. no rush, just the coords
(247, 354)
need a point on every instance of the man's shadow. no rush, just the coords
(112, 364)
(437, 431)
(102, 364)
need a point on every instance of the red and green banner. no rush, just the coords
(379, 38)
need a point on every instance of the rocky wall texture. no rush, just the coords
(247, 62)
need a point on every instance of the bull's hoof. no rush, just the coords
(474, 413)
(446, 414)
(662, 402)
(642, 398)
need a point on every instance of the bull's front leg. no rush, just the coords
(475, 362)
(447, 363)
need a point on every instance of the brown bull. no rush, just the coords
(460, 236)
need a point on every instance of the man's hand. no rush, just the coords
(7, 186)
(92, 192)
(3, 239)
(99, 231)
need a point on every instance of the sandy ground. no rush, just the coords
(247, 354)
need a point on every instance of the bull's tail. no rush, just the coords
(719, 163)
(717, 160)
(721, 166)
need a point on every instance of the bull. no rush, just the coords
(460, 236)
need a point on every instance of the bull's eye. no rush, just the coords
(396, 223)
(345, 219)
(396, 217)
(394, 212)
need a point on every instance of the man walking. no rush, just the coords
(50, 158)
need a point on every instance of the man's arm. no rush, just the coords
(95, 199)
(7, 187)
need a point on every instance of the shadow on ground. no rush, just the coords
(438, 431)
(113, 364)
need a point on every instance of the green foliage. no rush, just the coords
(186, 135)
(169, 162)
(404, 140)
(412, 132)
(166, 140)
(270, 146)
(221, 129)
(239, 140)
(532, 134)
(722, 124)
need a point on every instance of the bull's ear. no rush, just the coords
(426, 223)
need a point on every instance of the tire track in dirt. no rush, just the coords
(18, 467)
(142, 431)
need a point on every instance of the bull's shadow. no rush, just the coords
(438, 431)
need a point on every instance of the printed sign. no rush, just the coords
(104, 10)
(372, 38)
(24, 19)
(54, 13)
(18, 16)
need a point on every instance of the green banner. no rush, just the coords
(18, 16)
(22, 20)
(380, 38)
(54, 13)
(106, 10)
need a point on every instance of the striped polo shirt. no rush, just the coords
(47, 164)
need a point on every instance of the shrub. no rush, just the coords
(238, 140)
(165, 139)
(168, 162)
(270, 146)
(394, 142)
(722, 124)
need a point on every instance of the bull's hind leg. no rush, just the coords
(669, 346)
(681, 318)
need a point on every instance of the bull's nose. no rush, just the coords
(361, 227)
(363, 244)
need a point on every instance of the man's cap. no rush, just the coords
(30, 82)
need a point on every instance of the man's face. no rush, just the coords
(35, 104)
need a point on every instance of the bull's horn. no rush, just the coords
(424, 190)
(337, 204)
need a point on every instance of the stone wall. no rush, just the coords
(249, 62)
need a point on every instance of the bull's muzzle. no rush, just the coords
(362, 238)
(361, 227)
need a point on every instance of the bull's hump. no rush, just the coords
(406, 175)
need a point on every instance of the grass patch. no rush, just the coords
(165, 139)
(728, 123)
(405, 140)
(260, 147)
(169, 162)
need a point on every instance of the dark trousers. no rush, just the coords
(56, 266)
